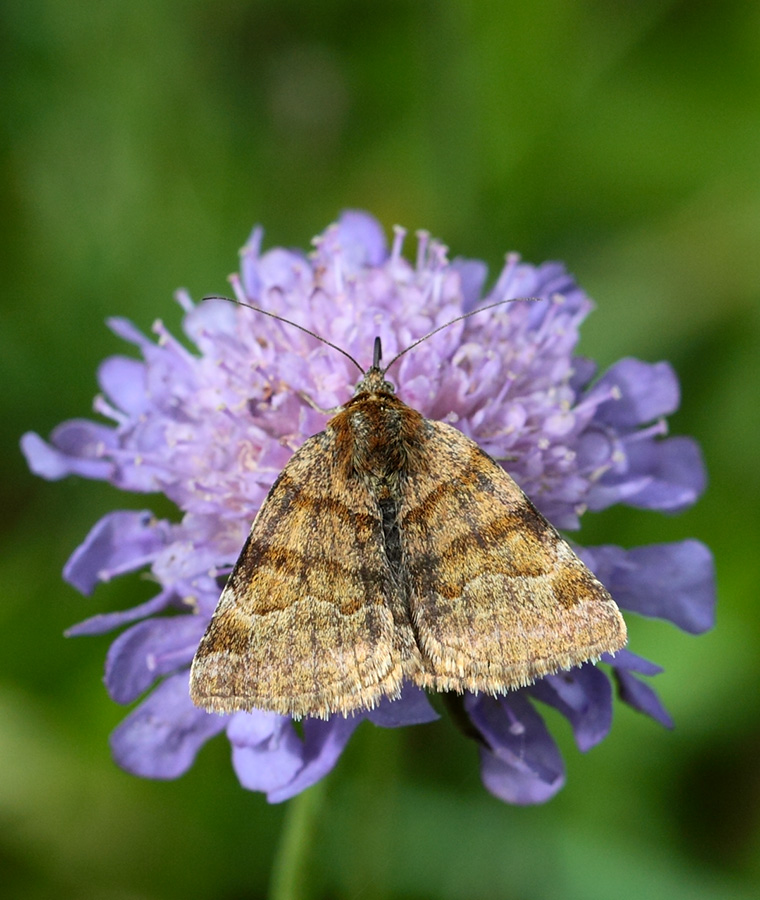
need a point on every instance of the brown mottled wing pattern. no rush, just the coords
(305, 625)
(497, 597)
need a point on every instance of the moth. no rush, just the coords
(392, 549)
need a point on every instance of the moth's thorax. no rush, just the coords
(377, 433)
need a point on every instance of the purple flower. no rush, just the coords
(212, 426)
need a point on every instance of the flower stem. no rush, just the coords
(290, 878)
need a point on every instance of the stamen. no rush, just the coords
(169, 342)
(399, 234)
(423, 238)
(658, 428)
(102, 406)
(185, 301)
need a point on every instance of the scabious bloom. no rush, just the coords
(212, 426)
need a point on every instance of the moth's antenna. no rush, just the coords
(472, 312)
(295, 325)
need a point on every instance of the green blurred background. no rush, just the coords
(140, 143)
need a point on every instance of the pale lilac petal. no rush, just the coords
(520, 762)
(210, 322)
(122, 380)
(269, 770)
(667, 475)
(511, 782)
(282, 270)
(641, 697)
(625, 659)
(606, 493)
(323, 743)
(148, 650)
(593, 450)
(519, 279)
(120, 542)
(644, 392)
(249, 261)
(75, 451)
(632, 690)
(361, 239)
(249, 729)
(551, 279)
(161, 738)
(584, 697)
(104, 622)
(412, 708)
(265, 762)
(472, 274)
(677, 471)
(583, 372)
(665, 581)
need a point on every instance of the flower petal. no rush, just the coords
(209, 323)
(323, 743)
(412, 708)
(641, 697)
(677, 471)
(584, 697)
(148, 650)
(644, 391)
(583, 371)
(521, 763)
(519, 279)
(249, 729)
(361, 238)
(472, 274)
(667, 475)
(281, 270)
(75, 450)
(161, 738)
(122, 380)
(108, 621)
(625, 659)
(665, 581)
(269, 762)
(120, 542)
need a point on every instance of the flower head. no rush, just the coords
(212, 427)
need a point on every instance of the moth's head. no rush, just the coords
(374, 383)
